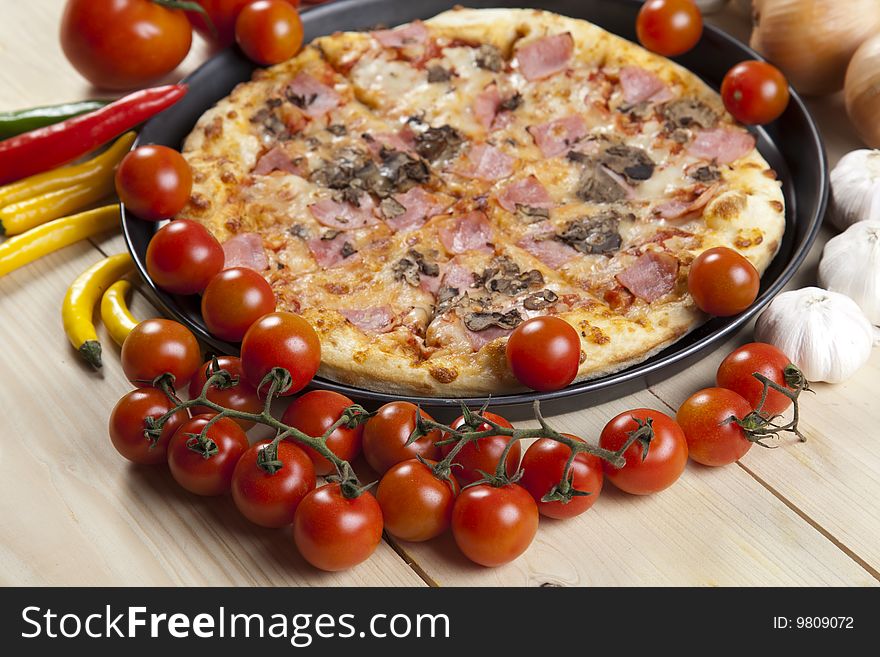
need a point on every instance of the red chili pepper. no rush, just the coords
(46, 148)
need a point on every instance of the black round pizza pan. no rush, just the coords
(792, 145)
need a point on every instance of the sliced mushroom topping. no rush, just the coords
(271, 123)
(391, 208)
(413, 267)
(629, 161)
(596, 186)
(301, 100)
(511, 104)
(330, 235)
(531, 215)
(298, 230)
(481, 321)
(447, 298)
(590, 235)
(540, 300)
(403, 170)
(689, 112)
(440, 143)
(347, 250)
(490, 58)
(505, 277)
(704, 173)
(577, 156)
(337, 130)
(437, 73)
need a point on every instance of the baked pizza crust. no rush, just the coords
(748, 216)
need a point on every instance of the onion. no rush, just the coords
(863, 91)
(812, 41)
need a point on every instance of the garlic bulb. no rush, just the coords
(851, 265)
(855, 188)
(812, 41)
(824, 333)
(863, 91)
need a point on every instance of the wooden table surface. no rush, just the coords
(72, 512)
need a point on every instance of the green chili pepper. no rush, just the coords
(19, 121)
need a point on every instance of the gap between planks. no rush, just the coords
(799, 512)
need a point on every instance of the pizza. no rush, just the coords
(416, 193)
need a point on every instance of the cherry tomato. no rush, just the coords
(669, 27)
(735, 373)
(123, 44)
(234, 299)
(192, 470)
(755, 92)
(484, 454)
(127, 425)
(222, 14)
(270, 500)
(544, 353)
(722, 282)
(160, 346)
(543, 466)
(711, 438)
(183, 257)
(315, 412)
(281, 340)
(269, 31)
(416, 505)
(386, 433)
(240, 397)
(154, 182)
(493, 526)
(333, 532)
(667, 452)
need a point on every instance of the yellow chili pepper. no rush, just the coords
(79, 304)
(20, 250)
(24, 215)
(115, 314)
(84, 173)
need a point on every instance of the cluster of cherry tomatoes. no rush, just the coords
(424, 489)
(124, 44)
(754, 92)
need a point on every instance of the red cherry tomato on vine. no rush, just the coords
(192, 470)
(269, 31)
(722, 282)
(154, 182)
(183, 257)
(235, 299)
(386, 433)
(666, 458)
(240, 397)
(285, 340)
(736, 373)
(755, 92)
(484, 454)
(333, 532)
(127, 425)
(712, 439)
(544, 353)
(123, 44)
(160, 346)
(493, 526)
(222, 14)
(315, 412)
(270, 500)
(543, 466)
(669, 27)
(416, 505)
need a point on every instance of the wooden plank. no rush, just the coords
(712, 528)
